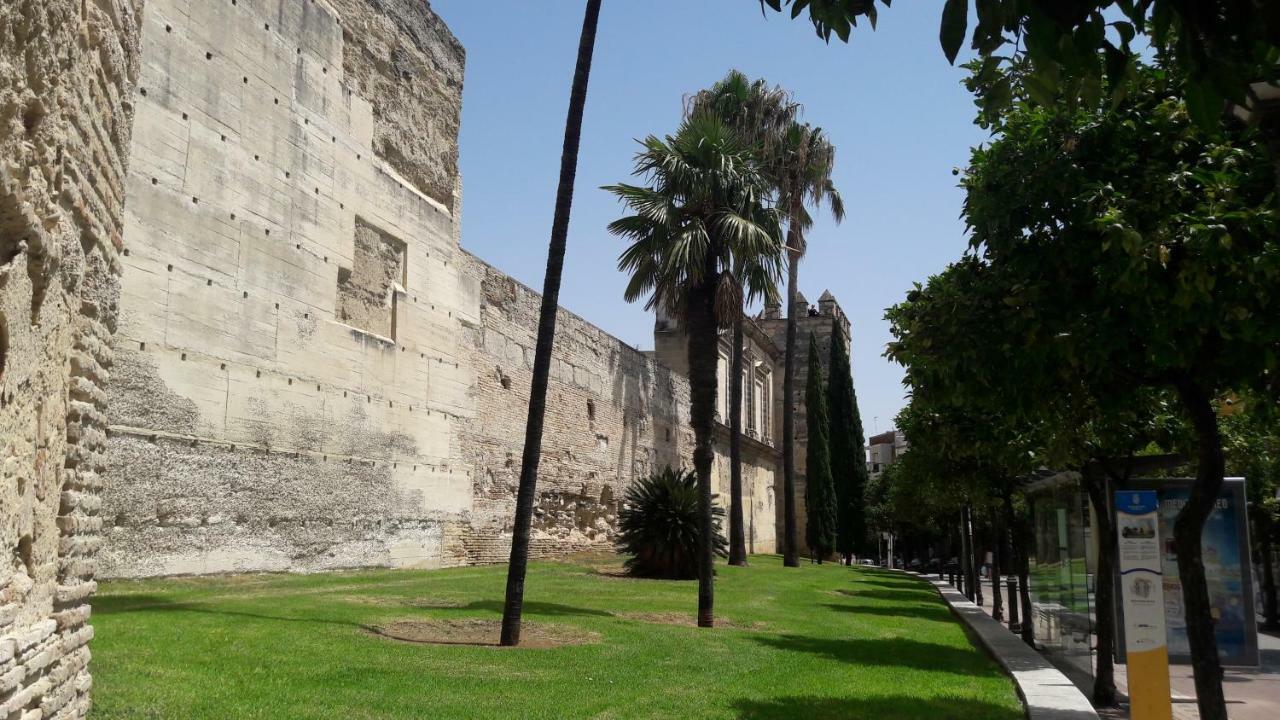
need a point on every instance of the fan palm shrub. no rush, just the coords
(659, 526)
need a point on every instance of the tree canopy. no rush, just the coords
(1223, 47)
(1123, 262)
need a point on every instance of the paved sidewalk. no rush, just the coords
(1252, 694)
(1046, 692)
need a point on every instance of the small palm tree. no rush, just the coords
(804, 177)
(659, 526)
(703, 211)
(761, 115)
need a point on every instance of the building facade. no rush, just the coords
(885, 449)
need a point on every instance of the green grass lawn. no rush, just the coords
(817, 642)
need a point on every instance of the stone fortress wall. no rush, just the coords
(290, 388)
(67, 70)
(310, 371)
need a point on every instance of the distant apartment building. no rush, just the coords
(884, 450)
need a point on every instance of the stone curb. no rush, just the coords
(1045, 691)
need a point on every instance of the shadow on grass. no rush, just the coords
(882, 579)
(918, 612)
(113, 604)
(896, 652)
(893, 595)
(532, 608)
(881, 708)
(159, 603)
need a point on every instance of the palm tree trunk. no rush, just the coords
(703, 355)
(513, 605)
(1104, 678)
(791, 550)
(737, 535)
(1187, 532)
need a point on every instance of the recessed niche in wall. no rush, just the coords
(367, 290)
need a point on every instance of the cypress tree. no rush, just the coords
(819, 491)
(848, 458)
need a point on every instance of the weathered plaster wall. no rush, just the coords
(255, 430)
(67, 70)
(311, 373)
(613, 415)
(409, 66)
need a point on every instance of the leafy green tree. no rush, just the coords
(819, 489)
(966, 346)
(803, 180)
(848, 458)
(1223, 47)
(761, 114)
(513, 604)
(1165, 271)
(659, 525)
(702, 212)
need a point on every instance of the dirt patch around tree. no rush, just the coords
(481, 633)
(690, 620)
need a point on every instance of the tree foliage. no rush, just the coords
(1076, 49)
(1123, 262)
(848, 458)
(820, 492)
(704, 210)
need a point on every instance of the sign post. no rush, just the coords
(1142, 593)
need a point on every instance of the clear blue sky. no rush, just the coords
(895, 109)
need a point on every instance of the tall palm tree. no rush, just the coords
(513, 605)
(703, 212)
(808, 160)
(761, 115)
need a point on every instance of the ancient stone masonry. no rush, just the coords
(67, 71)
(311, 373)
(400, 56)
(290, 384)
(613, 415)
